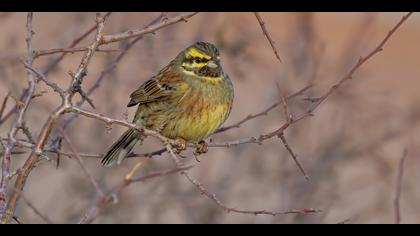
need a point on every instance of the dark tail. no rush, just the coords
(121, 148)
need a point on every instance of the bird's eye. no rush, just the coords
(197, 60)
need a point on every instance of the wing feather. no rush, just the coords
(159, 88)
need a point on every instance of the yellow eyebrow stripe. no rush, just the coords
(195, 53)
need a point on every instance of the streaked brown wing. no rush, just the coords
(159, 88)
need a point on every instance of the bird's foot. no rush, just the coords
(202, 147)
(180, 145)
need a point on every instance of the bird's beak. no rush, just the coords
(212, 65)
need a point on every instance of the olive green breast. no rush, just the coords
(195, 113)
(204, 107)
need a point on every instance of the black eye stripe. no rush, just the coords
(191, 60)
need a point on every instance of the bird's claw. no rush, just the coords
(202, 147)
(180, 145)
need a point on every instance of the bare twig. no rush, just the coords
(35, 210)
(67, 107)
(267, 35)
(28, 145)
(27, 132)
(18, 123)
(283, 139)
(398, 188)
(111, 68)
(15, 108)
(42, 77)
(82, 164)
(94, 211)
(213, 197)
(41, 53)
(77, 78)
(106, 39)
(76, 41)
(17, 220)
(260, 138)
(46, 130)
(3, 105)
(359, 63)
(264, 112)
(289, 120)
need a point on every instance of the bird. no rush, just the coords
(187, 100)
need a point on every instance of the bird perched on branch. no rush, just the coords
(187, 100)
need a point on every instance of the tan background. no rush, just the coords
(350, 148)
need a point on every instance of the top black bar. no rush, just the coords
(213, 5)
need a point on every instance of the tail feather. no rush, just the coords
(121, 148)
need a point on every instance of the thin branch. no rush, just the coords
(289, 149)
(66, 107)
(111, 68)
(267, 35)
(289, 120)
(46, 52)
(110, 121)
(15, 127)
(264, 112)
(287, 114)
(213, 197)
(76, 41)
(359, 63)
(42, 77)
(77, 78)
(3, 105)
(280, 131)
(35, 210)
(46, 130)
(260, 138)
(27, 132)
(154, 174)
(17, 220)
(15, 108)
(106, 39)
(112, 197)
(28, 145)
(398, 188)
(82, 164)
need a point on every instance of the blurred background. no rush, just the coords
(350, 148)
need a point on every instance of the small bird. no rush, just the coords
(188, 100)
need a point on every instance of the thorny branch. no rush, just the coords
(213, 197)
(35, 210)
(106, 39)
(17, 124)
(267, 35)
(3, 105)
(112, 197)
(76, 41)
(82, 163)
(49, 125)
(67, 50)
(66, 107)
(15, 108)
(112, 67)
(317, 101)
